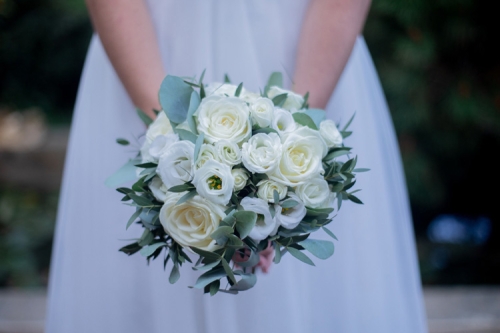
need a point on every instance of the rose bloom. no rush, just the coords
(192, 222)
(214, 182)
(220, 89)
(176, 165)
(224, 118)
(262, 110)
(293, 100)
(240, 178)
(330, 133)
(228, 152)
(160, 126)
(207, 152)
(314, 193)
(159, 189)
(261, 153)
(267, 188)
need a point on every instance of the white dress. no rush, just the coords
(371, 284)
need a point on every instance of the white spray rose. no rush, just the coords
(161, 144)
(283, 122)
(303, 151)
(289, 218)
(207, 153)
(314, 193)
(240, 178)
(192, 222)
(224, 118)
(159, 189)
(262, 153)
(228, 152)
(265, 225)
(176, 165)
(262, 110)
(248, 96)
(145, 155)
(160, 126)
(220, 89)
(267, 188)
(293, 100)
(330, 133)
(214, 182)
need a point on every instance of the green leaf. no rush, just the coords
(245, 225)
(330, 233)
(247, 282)
(210, 276)
(304, 119)
(207, 266)
(124, 190)
(226, 79)
(276, 197)
(181, 188)
(238, 90)
(174, 274)
(122, 142)
(279, 100)
(146, 238)
(202, 76)
(221, 231)
(228, 270)
(234, 242)
(148, 250)
(131, 248)
(349, 122)
(197, 146)
(141, 201)
(133, 217)
(276, 79)
(147, 165)
(245, 216)
(186, 135)
(175, 95)
(319, 248)
(289, 203)
(319, 211)
(186, 197)
(214, 287)
(317, 115)
(337, 152)
(206, 254)
(277, 254)
(306, 99)
(194, 103)
(301, 256)
(265, 130)
(361, 170)
(354, 199)
(144, 117)
(123, 175)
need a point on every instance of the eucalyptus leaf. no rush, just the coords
(337, 152)
(214, 287)
(207, 266)
(245, 216)
(140, 201)
(279, 100)
(181, 188)
(354, 199)
(289, 203)
(277, 254)
(123, 175)
(194, 102)
(174, 274)
(276, 79)
(301, 256)
(265, 130)
(133, 217)
(122, 142)
(238, 90)
(361, 170)
(247, 281)
(227, 79)
(144, 117)
(317, 115)
(186, 197)
(221, 231)
(147, 165)
(197, 146)
(206, 254)
(175, 95)
(210, 276)
(228, 270)
(186, 135)
(276, 197)
(305, 120)
(319, 248)
(148, 250)
(330, 233)
(202, 76)
(349, 122)
(131, 248)
(244, 226)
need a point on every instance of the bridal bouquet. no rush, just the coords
(225, 173)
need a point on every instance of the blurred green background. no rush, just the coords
(440, 69)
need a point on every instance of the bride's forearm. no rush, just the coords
(328, 35)
(127, 34)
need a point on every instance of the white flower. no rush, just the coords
(192, 222)
(262, 153)
(330, 133)
(240, 178)
(161, 144)
(265, 225)
(159, 189)
(214, 182)
(267, 188)
(262, 110)
(314, 193)
(248, 96)
(224, 118)
(303, 151)
(207, 152)
(283, 122)
(293, 100)
(228, 152)
(220, 89)
(160, 126)
(145, 155)
(176, 164)
(289, 218)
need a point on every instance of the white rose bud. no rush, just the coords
(220, 89)
(240, 178)
(283, 122)
(159, 189)
(262, 153)
(214, 182)
(289, 218)
(160, 126)
(224, 118)
(207, 153)
(330, 133)
(176, 165)
(303, 151)
(267, 188)
(314, 193)
(161, 144)
(192, 222)
(265, 225)
(248, 96)
(262, 110)
(228, 152)
(293, 100)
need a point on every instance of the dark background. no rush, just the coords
(440, 69)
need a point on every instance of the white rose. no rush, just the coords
(240, 178)
(214, 182)
(207, 152)
(161, 144)
(176, 165)
(261, 153)
(145, 155)
(265, 225)
(330, 133)
(289, 218)
(159, 189)
(224, 118)
(267, 188)
(293, 100)
(228, 152)
(192, 222)
(262, 110)
(303, 151)
(160, 126)
(283, 122)
(248, 96)
(314, 193)
(220, 89)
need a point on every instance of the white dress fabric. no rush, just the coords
(371, 283)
